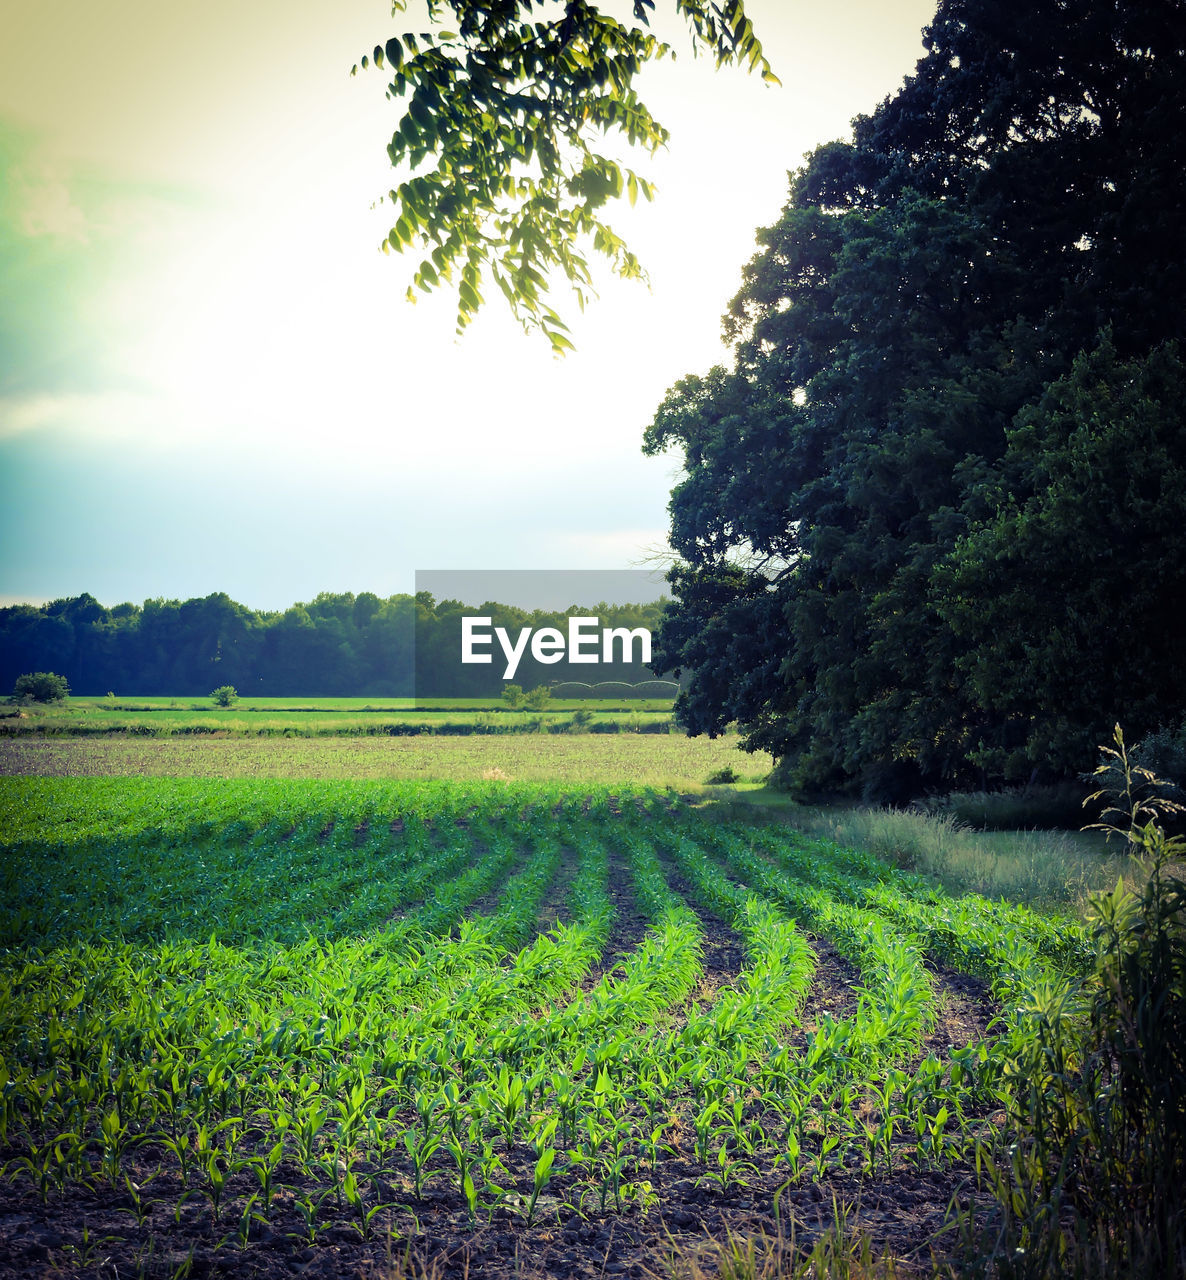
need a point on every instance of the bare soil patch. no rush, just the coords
(553, 910)
(96, 1232)
(966, 1011)
(627, 929)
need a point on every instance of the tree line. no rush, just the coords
(338, 644)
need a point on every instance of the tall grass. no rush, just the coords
(1090, 1176)
(1051, 869)
(1057, 806)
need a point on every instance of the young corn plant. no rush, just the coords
(544, 1168)
(421, 1146)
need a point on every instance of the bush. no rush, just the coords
(41, 686)
(722, 777)
(1164, 754)
(537, 698)
(512, 695)
(1093, 1182)
(1052, 808)
(225, 696)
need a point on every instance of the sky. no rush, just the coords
(209, 377)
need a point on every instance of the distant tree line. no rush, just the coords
(336, 644)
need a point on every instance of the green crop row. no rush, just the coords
(351, 991)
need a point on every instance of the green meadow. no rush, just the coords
(329, 717)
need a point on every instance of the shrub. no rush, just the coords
(225, 695)
(722, 777)
(1096, 1183)
(1164, 754)
(1054, 807)
(512, 695)
(537, 698)
(41, 686)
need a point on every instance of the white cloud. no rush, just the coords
(42, 204)
(100, 415)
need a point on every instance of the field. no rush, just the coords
(322, 717)
(658, 760)
(257, 1026)
(375, 704)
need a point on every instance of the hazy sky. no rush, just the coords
(209, 379)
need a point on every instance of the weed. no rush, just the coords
(1095, 1185)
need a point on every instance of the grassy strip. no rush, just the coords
(569, 760)
(1052, 870)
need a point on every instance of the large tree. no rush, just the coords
(903, 378)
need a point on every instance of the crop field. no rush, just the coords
(657, 760)
(258, 1027)
(374, 705)
(324, 717)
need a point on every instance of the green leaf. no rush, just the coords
(505, 94)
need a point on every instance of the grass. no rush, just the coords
(1052, 870)
(840, 1251)
(371, 704)
(1021, 808)
(316, 717)
(645, 759)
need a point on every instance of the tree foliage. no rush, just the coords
(503, 140)
(338, 643)
(41, 686)
(929, 521)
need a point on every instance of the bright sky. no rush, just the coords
(209, 377)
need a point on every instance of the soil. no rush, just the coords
(553, 909)
(627, 928)
(96, 1233)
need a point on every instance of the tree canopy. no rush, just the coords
(931, 523)
(41, 686)
(338, 643)
(502, 139)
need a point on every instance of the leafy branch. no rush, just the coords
(498, 139)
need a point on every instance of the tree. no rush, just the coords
(41, 686)
(844, 507)
(1066, 595)
(225, 696)
(536, 699)
(509, 106)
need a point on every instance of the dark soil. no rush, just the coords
(966, 1010)
(553, 909)
(627, 928)
(96, 1232)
